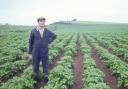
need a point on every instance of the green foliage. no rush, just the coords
(93, 77)
(118, 67)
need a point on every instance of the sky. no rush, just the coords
(25, 12)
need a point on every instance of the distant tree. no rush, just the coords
(7, 24)
(74, 19)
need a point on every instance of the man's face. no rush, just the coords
(41, 23)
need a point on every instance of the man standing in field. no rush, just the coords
(39, 39)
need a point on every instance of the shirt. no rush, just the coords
(41, 31)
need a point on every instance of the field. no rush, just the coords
(85, 55)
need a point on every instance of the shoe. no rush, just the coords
(45, 80)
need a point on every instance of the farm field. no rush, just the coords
(85, 55)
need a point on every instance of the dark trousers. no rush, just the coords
(36, 61)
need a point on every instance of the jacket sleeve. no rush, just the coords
(31, 39)
(52, 37)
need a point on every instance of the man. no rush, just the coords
(39, 39)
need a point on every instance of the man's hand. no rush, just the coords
(30, 57)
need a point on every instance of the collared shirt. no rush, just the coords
(41, 31)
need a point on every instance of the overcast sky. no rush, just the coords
(25, 12)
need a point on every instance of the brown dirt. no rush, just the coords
(109, 78)
(110, 50)
(78, 68)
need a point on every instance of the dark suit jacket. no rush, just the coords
(38, 44)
